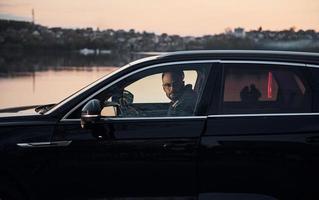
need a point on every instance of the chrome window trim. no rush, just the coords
(270, 52)
(312, 65)
(189, 52)
(153, 118)
(262, 115)
(139, 118)
(262, 62)
(181, 62)
(202, 117)
(137, 71)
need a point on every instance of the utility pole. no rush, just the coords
(33, 16)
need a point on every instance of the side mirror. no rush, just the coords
(127, 97)
(110, 109)
(90, 113)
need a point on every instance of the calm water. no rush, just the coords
(30, 78)
(49, 86)
(33, 78)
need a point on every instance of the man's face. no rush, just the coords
(172, 85)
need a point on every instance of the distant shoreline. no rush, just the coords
(25, 36)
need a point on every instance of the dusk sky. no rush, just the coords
(183, 17)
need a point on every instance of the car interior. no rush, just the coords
(264, 91)
(142, 94)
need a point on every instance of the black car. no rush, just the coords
(251, 133)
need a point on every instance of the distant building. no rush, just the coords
(228, 31)
(239, 32)
(36, 33)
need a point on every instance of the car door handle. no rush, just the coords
(174, 147)
(314, 139)
(44, 144)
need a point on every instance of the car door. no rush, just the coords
(311, 161)
(255, 140)
(141, 154)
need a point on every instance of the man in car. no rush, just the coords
(183, 98)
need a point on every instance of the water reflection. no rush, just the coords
(28, 78)
(21, 64)
(47, 86)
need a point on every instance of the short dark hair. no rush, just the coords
(175, 72)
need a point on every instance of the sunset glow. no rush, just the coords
(183, 17)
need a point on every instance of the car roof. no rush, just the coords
(258, 55)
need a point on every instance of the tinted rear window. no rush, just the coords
(264, 89)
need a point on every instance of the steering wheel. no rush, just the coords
(125, 100)
(128, 111)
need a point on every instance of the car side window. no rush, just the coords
(164, 91)
(147, 89)
(148, 95)
(250, 89)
